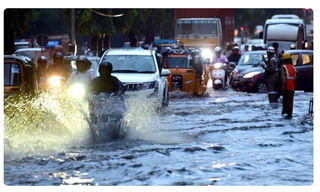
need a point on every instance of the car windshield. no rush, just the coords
(181, 62)
(131, 63)
(251, 59)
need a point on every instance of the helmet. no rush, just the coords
(58, 55)
(217, 49)
(105, 68)
(82, 63)
(57, 58)
(286, 56)
(42, 61)
(235, 48)
(270, 50)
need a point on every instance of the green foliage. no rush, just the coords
(16, 20)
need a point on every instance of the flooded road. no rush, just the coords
(227, 138)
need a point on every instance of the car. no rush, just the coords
(248, 74)
(251, 79)
(140, 72)
(29, 52)
(303, 62)
(19, 75)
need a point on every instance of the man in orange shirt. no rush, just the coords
(288, 77)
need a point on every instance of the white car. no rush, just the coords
(139, 72)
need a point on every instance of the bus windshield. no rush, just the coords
(197, 27)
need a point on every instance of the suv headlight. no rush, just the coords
(251, 74)
(149, 85)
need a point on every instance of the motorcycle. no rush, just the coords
(106, 112)
(231, 67)
(218, 74)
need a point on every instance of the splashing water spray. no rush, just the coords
(43, 124)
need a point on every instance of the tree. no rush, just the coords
(15, 23)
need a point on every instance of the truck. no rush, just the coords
(286, 31)
(204, 28)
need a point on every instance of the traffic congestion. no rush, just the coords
(205, 100)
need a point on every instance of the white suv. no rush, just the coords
(139, 72)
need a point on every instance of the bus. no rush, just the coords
(286, 32)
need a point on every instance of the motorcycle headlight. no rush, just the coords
(251, 74)
(206, 54)
(76, 90)
(55, 81)
(149, 85)
(217, 65)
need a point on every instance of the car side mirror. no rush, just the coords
(165, 72)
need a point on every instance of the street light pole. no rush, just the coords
(73, 31)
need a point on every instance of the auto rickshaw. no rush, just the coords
(19, 75)
(187, 73)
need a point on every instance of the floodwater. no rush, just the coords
(227, 138)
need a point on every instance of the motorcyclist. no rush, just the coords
(41, 70)
(235, 55)
(218, 58)
(106, 82)
(272, 76)
(59, 68)
(83, 74)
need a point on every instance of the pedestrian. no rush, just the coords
(106, 83)
(271, 76)
(288, 76)
(278, 54)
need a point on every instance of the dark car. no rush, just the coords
(251, 79)
(248, 74)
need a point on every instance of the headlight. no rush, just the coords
(55, 81)
(217, 65)
(76, 90)
(149, 85)
(206, 53)
(251, 74)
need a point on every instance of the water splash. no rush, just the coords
(43, 124)
(142, 121)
